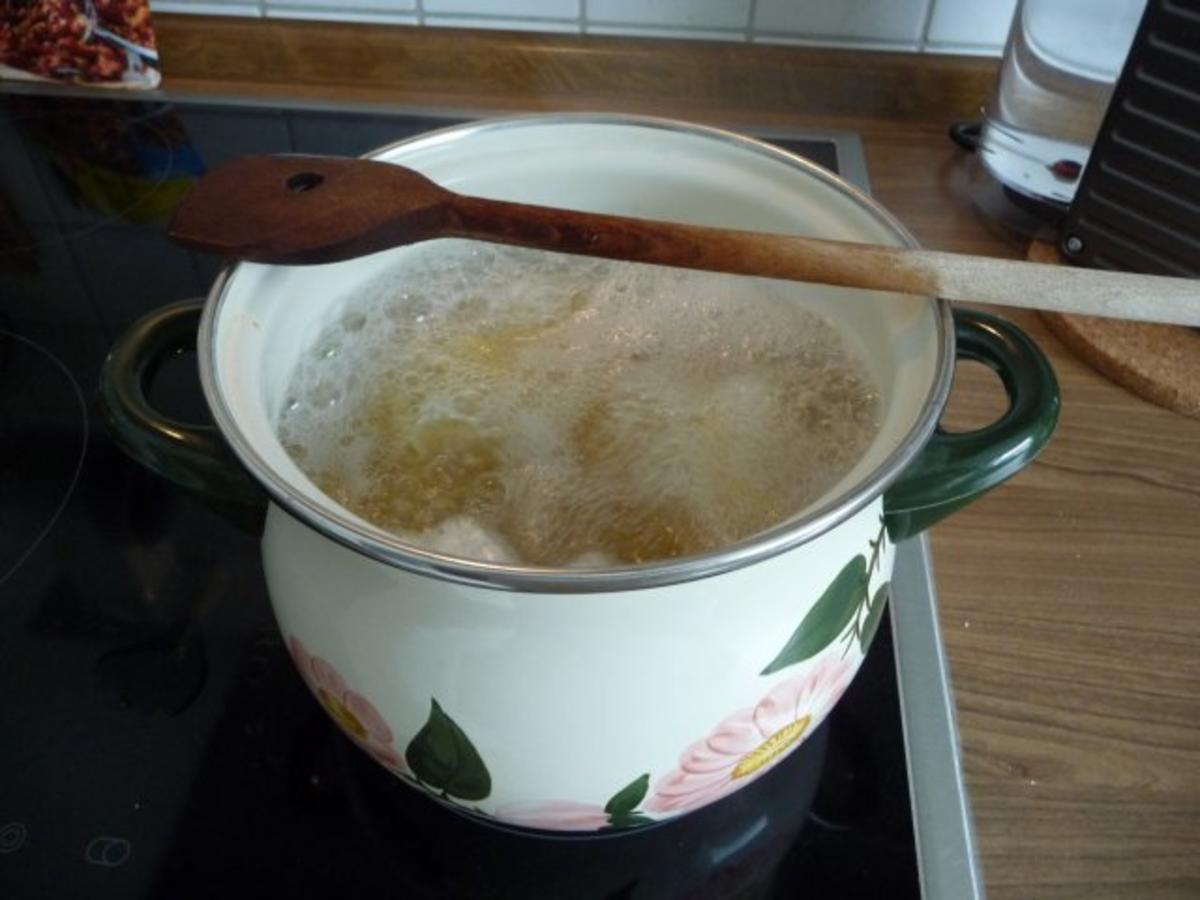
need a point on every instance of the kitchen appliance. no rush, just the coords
(1057, 74)
(1091, 142)
(168, 749)
(1137, 200)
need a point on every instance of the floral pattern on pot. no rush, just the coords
(845, 611)
(621, 811)
(353, 712)
(445, 762)
(557, 815)
(442, 759)
(750, 742)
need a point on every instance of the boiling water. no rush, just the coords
(504, 404)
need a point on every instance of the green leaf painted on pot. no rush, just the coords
(828, 617)
(626, 800)
(874, 614)
(443, 757)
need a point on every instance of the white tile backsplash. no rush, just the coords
(671, 13)
(890, 21)
(966, 24)
(526, 9)
(936, 26)
(193, 7)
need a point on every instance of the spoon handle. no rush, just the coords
(312, 209)
(1123, 295)
(1066, 289)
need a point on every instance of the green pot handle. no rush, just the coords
(194, 457)
(954, 469)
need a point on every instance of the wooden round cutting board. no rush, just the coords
(1160, 363)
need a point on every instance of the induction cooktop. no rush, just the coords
(157, 741)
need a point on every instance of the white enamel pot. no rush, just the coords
(587, 700)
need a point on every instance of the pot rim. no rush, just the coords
(384, 547)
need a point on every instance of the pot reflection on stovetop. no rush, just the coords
(283, 794)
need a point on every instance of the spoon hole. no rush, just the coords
(304, 181)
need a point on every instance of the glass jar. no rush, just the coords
(1060, 65)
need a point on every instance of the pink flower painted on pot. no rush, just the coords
(750, 742)
(353, 712)
(557, 815)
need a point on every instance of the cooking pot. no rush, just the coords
(600, 699)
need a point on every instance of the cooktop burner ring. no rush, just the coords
(11, 338)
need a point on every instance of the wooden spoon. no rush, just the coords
(298, 210)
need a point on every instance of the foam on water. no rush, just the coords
(504, 404)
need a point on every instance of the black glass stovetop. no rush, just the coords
(155, 740)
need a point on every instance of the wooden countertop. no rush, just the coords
(1070, 597)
